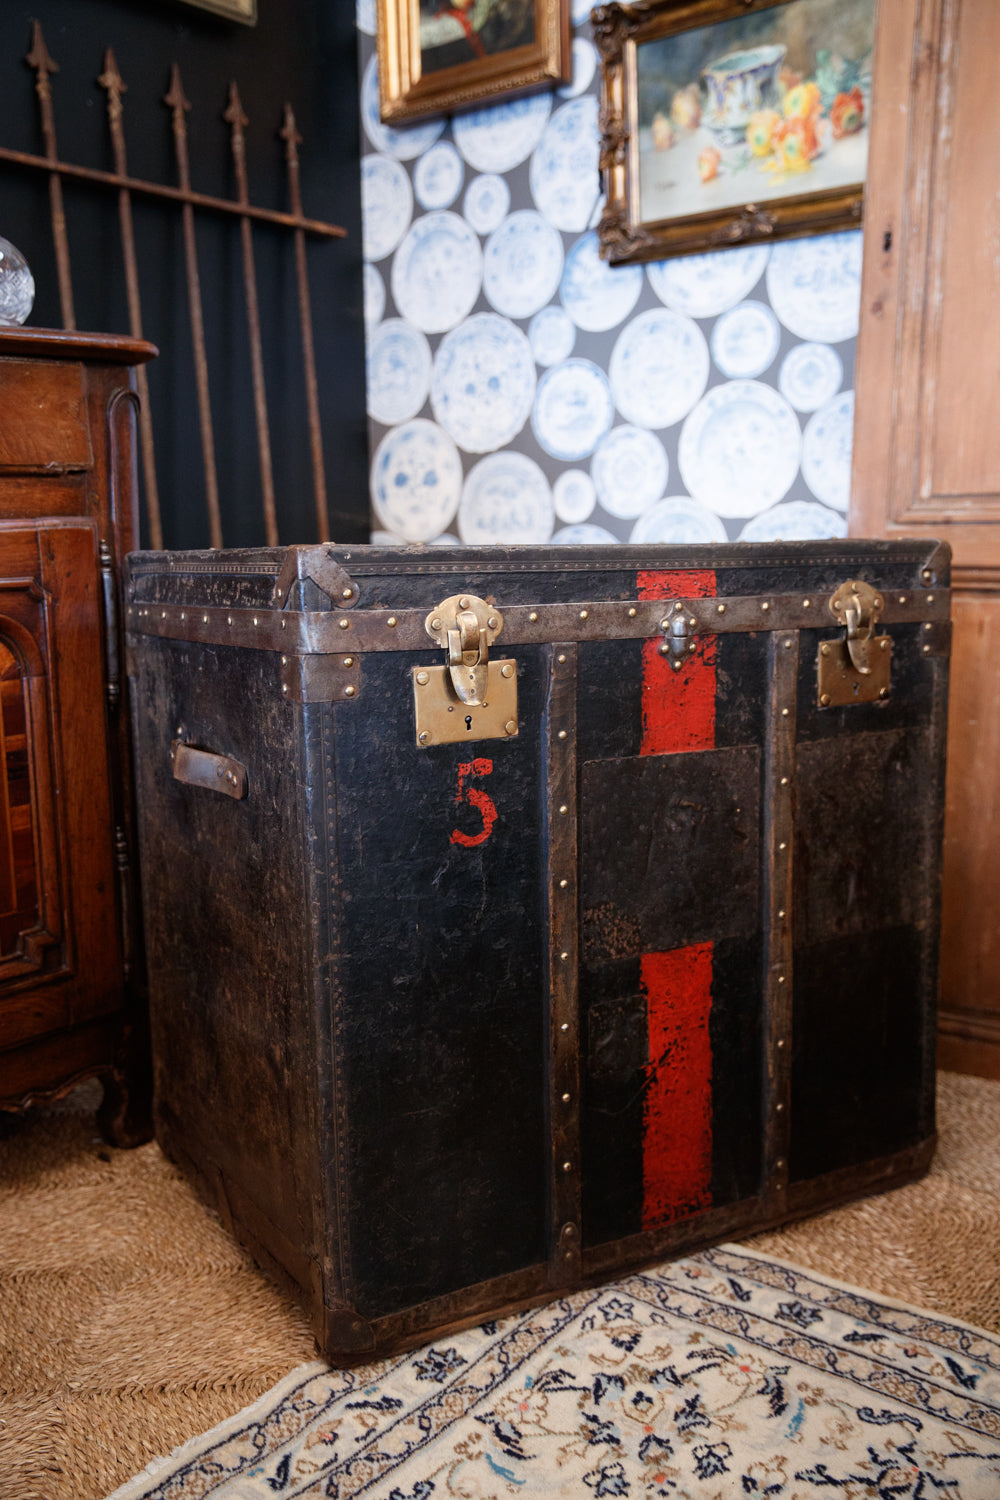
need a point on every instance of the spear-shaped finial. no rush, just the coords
(39, 59)
(290, 135)
(114, 86)
(237, 122)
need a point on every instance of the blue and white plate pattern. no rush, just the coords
(659, 368)
(438, 176)
(487, 199)
(522, 264)
(796, 520)
(827, 445)
(386, 205)
(597, 296)
(506, 498)
(364, 16)
(810, 374)
(585, 535)
(483, 383)
(580, 11)
(416, 480)
(584, 67)
(678, 518)
(500, 136)
(745, 340)
(552, 335)
(573, 409)
(437, 272)
(563, 172)
(739, 449)
(403, 142)
(814, 285)
(705, 285)
(629, 469)
(399, 371)
(574, 496)
(374, 296)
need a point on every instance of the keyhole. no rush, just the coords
(468, 721)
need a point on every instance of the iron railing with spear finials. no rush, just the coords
(185, 200)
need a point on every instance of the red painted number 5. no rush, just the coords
(476, 798)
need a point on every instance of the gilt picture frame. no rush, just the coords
(727, 122)
(438, 56)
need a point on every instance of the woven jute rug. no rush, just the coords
(130, 1323)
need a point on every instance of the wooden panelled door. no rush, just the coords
(927, 429)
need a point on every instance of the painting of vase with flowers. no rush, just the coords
(764, 107)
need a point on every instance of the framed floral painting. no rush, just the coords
(730, 121)
(435, 56)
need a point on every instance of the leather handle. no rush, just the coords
(217, 773)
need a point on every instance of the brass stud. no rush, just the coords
(391, 620)
(838, 604)
(765, 605)
(677, 665)
(788, 645)
(928, 626)
(348, 661)
(883, 692)
(807, 604)
(720, 609)
(902, 598)
(878, 603)
(631, 614)
(219, 770)
(348, 692)
(344, 624)
(782, 846)
(781, 978)
(561, 658)
(927, 650)
(779, 1107)
(665, 650)
(423, 679)
(927, 575)
(561, 735)
(567, 1166)
(435, 624)
(463, 603)
(678, 606)
(229, 619)
(693, 646)
(824, 650)
(784, 781)
(563, 884)
(284, 687)
(664, 624)
(255, 619)
(781, 1041)
(533, 617)
(423, 736)
(284, 661)
(780, 1163)
(283, 624)
(824, 701)
(492, 622)
(564, 1026)
(884, 643)
(510, 727)
(564, 957)
(163, 615)
(204, 619)
(585, 614)
(930, 598)
(183, 614)
(785, 712)
(506, 670)
(563, 808)
(565, 1098)
(781, 916)
(347, 594)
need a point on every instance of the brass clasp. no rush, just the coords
(856, 669)
(466, 627)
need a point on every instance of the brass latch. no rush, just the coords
(472, 697)
(855, 669)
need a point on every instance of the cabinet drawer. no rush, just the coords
(43, 416)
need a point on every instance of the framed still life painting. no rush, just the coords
(730, 121)
(435, 56)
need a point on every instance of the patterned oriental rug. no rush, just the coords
(725, 1374)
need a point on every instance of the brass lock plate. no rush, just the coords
(443, 719)
(841, 683)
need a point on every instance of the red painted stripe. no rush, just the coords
(678, 714)
(678, 708)
(677, 1111)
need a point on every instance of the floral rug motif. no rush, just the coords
(724, 1374)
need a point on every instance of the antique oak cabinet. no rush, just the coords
(69, 960)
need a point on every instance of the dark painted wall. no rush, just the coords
(303, 51)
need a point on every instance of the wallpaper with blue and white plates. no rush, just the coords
(521, 390)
